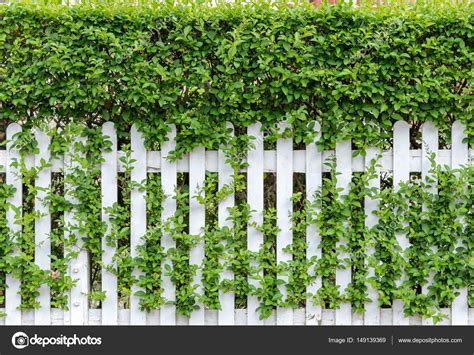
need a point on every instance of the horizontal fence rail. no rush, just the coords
(153, 161)
(241, 316)
(401, 161)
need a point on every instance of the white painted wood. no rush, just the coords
(255, 200)
(284, 179)
(343, 276)
(271, 320)
(27, 317)
(358, 318)
(447, 313)
(226, 315)
(181, 320)
(78, 267)
(372, 310)
(401, 173)
(14, 212)
(386, 316)
(240, 317)
(430, 145)
(299, 161)
(138, 222)
(459, 153)
(299, 316)
(95, 317)
(43, 225)
(328, 317)
(153, 317)
(314, 182)
(415, 320)
(197, 221)
(168, 182)
(109, 198)
(211, 317)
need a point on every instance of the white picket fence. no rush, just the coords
(284, 161)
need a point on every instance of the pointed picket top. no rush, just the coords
(13, 129)
(401, 152)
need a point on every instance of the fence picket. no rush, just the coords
(12, 298)
(314, 183)
(401, 173)
(430, 145)
(343, 276)
(109, 198)
(255, 200)
(43, 225)
(197, 221)
(284, 204)
(372, 310)
(459, 157)
(226, 315)
(78, 267)
(168, 181)
(138, 218)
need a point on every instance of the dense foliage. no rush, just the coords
(356, 71)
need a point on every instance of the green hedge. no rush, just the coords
(356, 71)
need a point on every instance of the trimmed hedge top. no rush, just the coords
(356, 71)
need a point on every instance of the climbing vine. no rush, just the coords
(119, 234)
(439, 245)
(183, 272)
(6, 247)
(427, 276)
